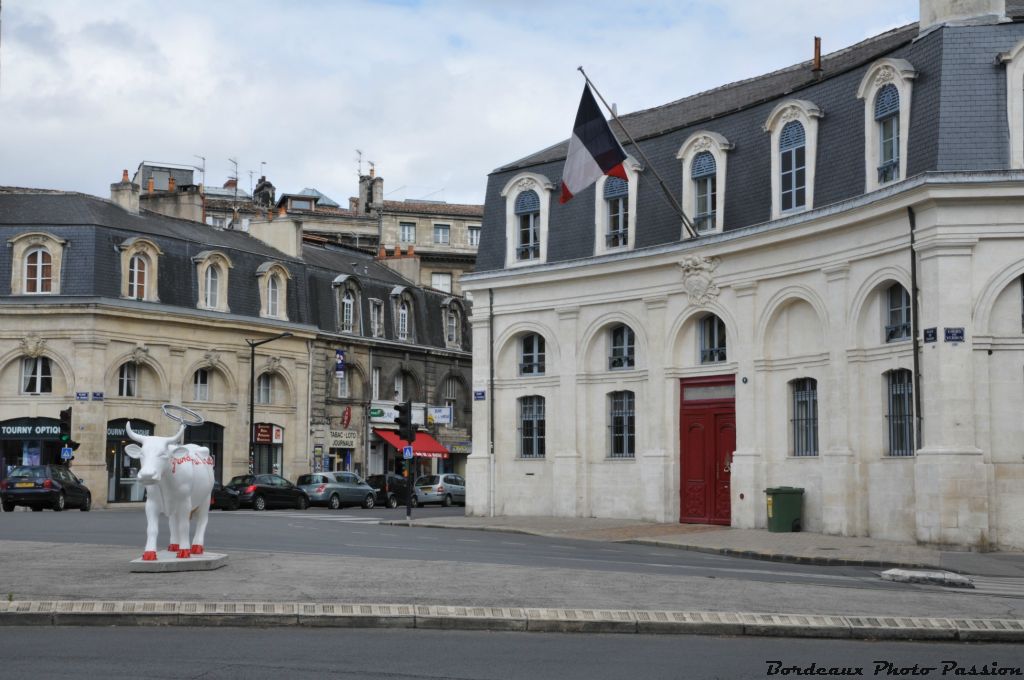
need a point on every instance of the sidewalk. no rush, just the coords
(801, 547)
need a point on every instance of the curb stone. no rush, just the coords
(345, 615)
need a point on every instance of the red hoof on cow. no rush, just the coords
(149, 556)
(182, 554)
(197, 550)
(173, 547)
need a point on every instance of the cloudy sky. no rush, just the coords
(437, 94)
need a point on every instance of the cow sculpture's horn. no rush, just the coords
(177, 437)
(128, 429)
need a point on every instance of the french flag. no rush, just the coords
(593, 150)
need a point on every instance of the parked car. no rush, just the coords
(44, 486)
(260, 492)
(391, 489)
(224, 497)
(335, 489)
(445, 489)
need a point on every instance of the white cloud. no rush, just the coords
(437, 94)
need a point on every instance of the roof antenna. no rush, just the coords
(201, 168)
(359, 161)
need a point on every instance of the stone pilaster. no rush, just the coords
(569, 464)
(747, 469)
(659, 474)
(478, 463)
(950, 479)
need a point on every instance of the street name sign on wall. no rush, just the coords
(954, 334)
(931, 334)
(479, 395)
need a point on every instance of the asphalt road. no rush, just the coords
(293, 653)
(355, 532)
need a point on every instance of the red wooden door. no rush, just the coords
(707, 439)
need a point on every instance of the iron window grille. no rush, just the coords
(532, 357)
(531, 427)
(622, 425)
(527, 210)
(805, 417)
(712, 340)
(623, 354)
(792, 166)
(901, 413)
(703, 172)
(898, 327)
(35, 376)
(616, 196)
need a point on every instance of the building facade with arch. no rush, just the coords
(848, 319)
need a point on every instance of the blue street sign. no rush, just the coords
(954, 334)
(407, 452)
(81, 396)
(97, 396)
(931, 334)
(66, 453)
(479, 395)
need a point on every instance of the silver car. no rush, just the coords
(336, 489)
(445, 489)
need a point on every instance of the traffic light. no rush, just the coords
(406, 428)
(65, 430)
(65, 426)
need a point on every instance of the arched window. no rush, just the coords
(38, 271)
(273, 295)
(793, 166)
(622, 425)
(705, 188)
(265, 389)
(887, 116)
(528, 222)
(137, 267)
(804, 393)
(36, 377)
(403, 320)
(531, 427)
(531, 356)
(898, 326)
(623, 348)
(128, 380)
(201, 385)
(616, 198)
(212, 286)
(712, 340)
(900, 388)
(347, 311)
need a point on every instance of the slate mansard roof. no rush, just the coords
(95, 228)
(958, 123)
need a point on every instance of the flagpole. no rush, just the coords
(668, 194)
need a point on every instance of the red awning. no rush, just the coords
(425, 446)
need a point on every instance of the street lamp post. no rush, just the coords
(253, 344)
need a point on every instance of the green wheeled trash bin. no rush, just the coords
(785, 508)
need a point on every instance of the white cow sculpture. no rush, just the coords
(178, 480)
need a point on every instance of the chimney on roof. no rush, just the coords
(231, 183)
(125, 194)
(816, 69)
(172, 186)
(149, 185)
(960, 12)
(371, 192)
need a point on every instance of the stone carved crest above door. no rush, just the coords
(698, 281)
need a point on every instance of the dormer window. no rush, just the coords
(139, 268)
(137, 271)
(212, 269)
(793, 166)
(347, 312)
(273, 285)
(403, 320)
(887, 115)
(616, 199)
(793, 126)
(886, 91)
(705, 185)
(528, 219)
(38, 271)
(36, 264)
(527, 198)
(300, 204)
(212, 286)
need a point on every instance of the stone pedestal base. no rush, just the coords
(168, 562)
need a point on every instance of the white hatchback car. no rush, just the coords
(445, 489)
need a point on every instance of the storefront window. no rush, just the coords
(122, 471)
